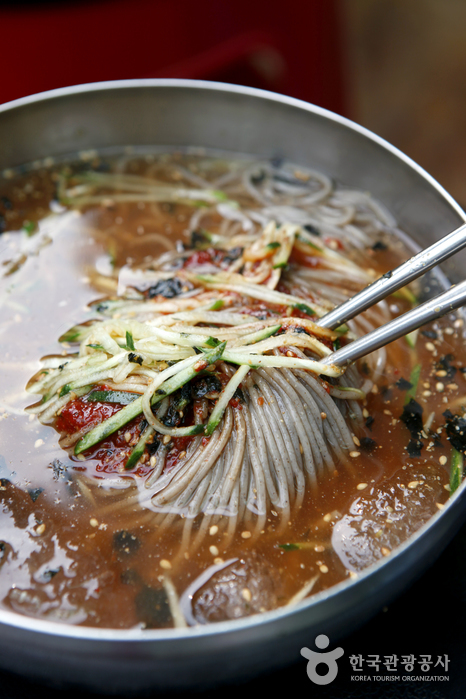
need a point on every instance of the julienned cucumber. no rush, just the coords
(123, 416)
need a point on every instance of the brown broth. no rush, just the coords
(69, 550)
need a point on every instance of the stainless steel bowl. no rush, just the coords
(229, 118)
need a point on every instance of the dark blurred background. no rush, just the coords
(397, 67)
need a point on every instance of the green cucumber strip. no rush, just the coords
(97, 347)
(64, 390)
(109, 426)
(280, 259)
(217, 305)
(273, 246)
(257, 360)
(123, 416)
(212, 342)
(304, 309)
(414, 380)
(122, 397)
(225, 396)
(456, 470)
(188, 431)
(261, 334)
(138, 450)
(341, 330)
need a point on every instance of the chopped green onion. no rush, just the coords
(456, 470)
(212, 342)
(414, 381)
(129, 342)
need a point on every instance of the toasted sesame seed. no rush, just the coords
(447, 486)
(354, 454)
(413, 484)
(426, 394)
(182, 454)
(93, 522)
(323, 568)
(213, 530)
(213, 550)
(458, 323)
(441, 373)
(319, 548)
(40, 529)
(439, 386)
(356, 441)
(246, 535)
(443, 460)
(166, 565)
(365, 413)
(152, 461)
(166, 439)
(452, 386)
(218, 561)
(246, 594)
(430, 346)
(38, 443)
(385, 551)
(323, 415)
(361, 486)
(387, 412)
(328, 517)
(449, 331)
(352, 574)
(289, 353)
(127, 436)
(440, 505)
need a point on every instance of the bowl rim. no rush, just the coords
(140, 635)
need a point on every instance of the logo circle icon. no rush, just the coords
(329, 659)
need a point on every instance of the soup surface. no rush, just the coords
(258, 476)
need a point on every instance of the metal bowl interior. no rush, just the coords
(176, 113)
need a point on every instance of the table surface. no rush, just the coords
(428, 619)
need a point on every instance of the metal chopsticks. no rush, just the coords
(397, 278)
(413, 319)
(387, 284)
